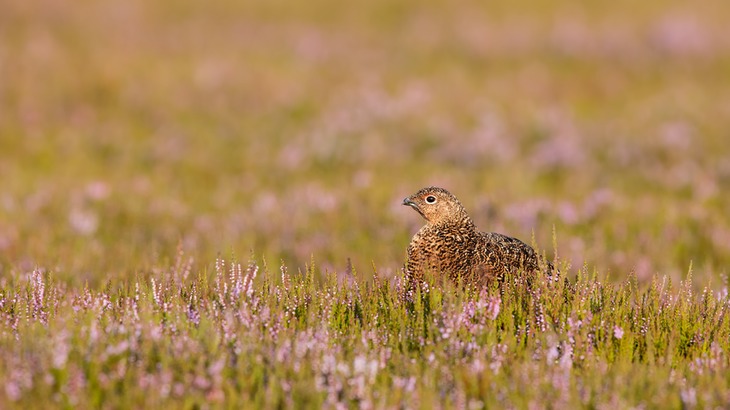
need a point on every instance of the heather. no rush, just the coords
(200, 202)
(233, 338)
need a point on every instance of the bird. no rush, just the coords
(450, 245)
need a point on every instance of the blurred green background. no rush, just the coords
(292, 130)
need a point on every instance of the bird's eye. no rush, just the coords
(431, 199)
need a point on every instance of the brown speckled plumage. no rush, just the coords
(450, 244)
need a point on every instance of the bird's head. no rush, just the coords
(437, 206)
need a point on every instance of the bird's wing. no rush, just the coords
(511, 253)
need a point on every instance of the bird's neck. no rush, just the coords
(462, 222)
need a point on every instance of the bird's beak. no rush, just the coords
(408, 202)
(414, 205)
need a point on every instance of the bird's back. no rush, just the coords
(500, 255)
(478, 258)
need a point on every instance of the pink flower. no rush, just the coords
(493, 307)
(618, 333)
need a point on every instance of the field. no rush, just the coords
(200, 203)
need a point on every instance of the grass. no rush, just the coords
(130, 132)
(248, 336)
